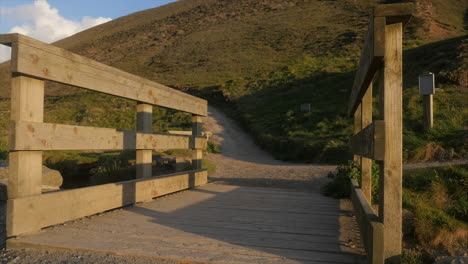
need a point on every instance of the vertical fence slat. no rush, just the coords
(366, 163)
(392, 177)
(27, 104)
(197, 131)
(357, 129)
(144, 158)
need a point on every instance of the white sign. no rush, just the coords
(426, 84)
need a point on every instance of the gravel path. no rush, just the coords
(243, 162)
(434, 164)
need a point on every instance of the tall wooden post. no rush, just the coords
(357, 129)
(366, 163)
(391, 199)
(197, 130)
(144, 158)
(428, 111)
(27, 104)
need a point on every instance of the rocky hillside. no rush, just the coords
(254, 54)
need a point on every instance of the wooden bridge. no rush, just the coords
(212, 223)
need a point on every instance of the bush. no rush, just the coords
(340, 186)
(113, 168)
(3, 155)
(213, 148)
(416, 257)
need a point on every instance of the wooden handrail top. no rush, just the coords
(45, 61)
(395, 13)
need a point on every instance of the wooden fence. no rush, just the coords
(380, 140)
(28, 209)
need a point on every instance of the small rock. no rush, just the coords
(51, 179)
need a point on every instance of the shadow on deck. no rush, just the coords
(214, 223)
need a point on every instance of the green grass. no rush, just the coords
(269, 107)
(260, 60)
(436, 196)
(416, 256)
(213, 148)
(211, 167)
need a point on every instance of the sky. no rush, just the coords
(52, 20)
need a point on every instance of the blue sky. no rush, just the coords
(77, 9)
(51, 20)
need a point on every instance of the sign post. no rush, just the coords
(427, 89)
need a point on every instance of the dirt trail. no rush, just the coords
(241, 161)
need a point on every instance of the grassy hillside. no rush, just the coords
(259, 60)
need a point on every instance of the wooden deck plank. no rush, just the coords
(194, 225)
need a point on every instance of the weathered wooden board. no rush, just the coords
(357, 128)
(184, 227)
(197, 130)
(392, 177)
(27, 104)
(369, 142)
(144, 157)
(395, 13)
(371, 58)
(29, 214)
(45, 136)
(371, 229)
(41, 60)
(366, 163)
(374, 46)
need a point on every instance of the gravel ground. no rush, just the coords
(242, 162)
(26, 256)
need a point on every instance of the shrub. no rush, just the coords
(340, 185)
(113, 168)
(3, 155)
(213, 148)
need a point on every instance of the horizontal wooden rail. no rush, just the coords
(371, 229)
(45, 136)
(370, 142)
(371, 59)
(374, 47)
(45, 61)
(31, 213)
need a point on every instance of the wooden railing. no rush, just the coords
(380, 140)
(33, 62)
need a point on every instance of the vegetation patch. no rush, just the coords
(210, 166)
(213, 148)
(436, 198)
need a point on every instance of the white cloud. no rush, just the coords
(42, 22)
